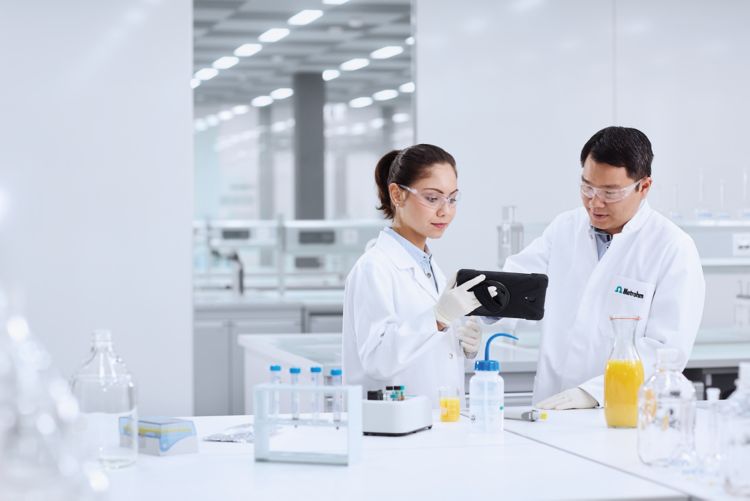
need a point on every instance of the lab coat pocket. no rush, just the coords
(630, 297)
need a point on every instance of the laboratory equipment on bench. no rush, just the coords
(518, 295)
(325, 439)
(623, 375)
(525, 413)
(736, 459)
(666, 413)
(450, 404)
(163, 436)
(710, 457)
(486, 392)
(106, 395)
(393, 415)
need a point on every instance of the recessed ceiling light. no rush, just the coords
(261, 101)
(360, 102)
(377, 123)
(200, 125)
(240, 109)
(247, 49)
(273, 35)
(194, 82)
(407, 88)
(386, 52)
(226, 62)
(385, 95)
(330, 74)
(225, 115)
(304, 17)
(206, 73)
(282, 93)
(212, 120)
(409, 41)
(354, 64)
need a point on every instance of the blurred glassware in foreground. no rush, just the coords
(40, 453)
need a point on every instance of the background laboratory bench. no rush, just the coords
(573, 455)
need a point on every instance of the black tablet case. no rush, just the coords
(519, 295)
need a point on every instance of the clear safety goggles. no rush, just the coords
(432, 198)
(609, 195)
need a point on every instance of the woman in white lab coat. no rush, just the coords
(399, 317)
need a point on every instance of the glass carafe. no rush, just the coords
(106, 395)
(623, 375)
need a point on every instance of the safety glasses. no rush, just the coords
(609, 195)
(432, 198)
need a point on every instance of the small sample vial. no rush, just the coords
(338, 398)
(317, 398)
(294, 379)
(275, 379)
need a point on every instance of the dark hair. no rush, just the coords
(406, 166)
(621, 147)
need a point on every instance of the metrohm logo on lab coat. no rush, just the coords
(627, 292)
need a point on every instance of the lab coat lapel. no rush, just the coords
(403, 261)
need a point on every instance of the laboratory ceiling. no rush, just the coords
(351, 30)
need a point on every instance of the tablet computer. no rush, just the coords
(519, 295)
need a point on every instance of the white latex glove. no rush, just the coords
(470, 337)
(455, 302)
(574, 398)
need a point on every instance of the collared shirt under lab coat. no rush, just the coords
(390, 333)
(651, 257)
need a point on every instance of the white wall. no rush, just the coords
(96, 167)
(514, 88)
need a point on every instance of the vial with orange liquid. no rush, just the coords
(450, 404)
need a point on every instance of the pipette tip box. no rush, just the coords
(164, 436)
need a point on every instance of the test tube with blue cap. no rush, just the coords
(275, 379)
(294, 373)
(338, 398)
(317, 398)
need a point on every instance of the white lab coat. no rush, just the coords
(390, 334)
(651, 256)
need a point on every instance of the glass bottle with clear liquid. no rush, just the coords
(623, 375)
(107, 399)
(736, 457)
(666, 414)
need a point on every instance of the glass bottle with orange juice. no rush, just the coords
(623, 376)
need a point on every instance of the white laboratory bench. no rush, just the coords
(446, 462)
(584, 433)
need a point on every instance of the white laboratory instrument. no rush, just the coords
(396, 418)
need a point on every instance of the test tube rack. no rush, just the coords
(350, 423)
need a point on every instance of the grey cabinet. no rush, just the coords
(210, 377)
(218, 359)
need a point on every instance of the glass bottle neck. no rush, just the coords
(624, 346)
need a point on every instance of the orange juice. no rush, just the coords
(622, 379)
(450, 408)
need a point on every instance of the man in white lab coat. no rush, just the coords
(592, 255)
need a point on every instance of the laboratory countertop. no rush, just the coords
(447, 462)
(584, 433)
